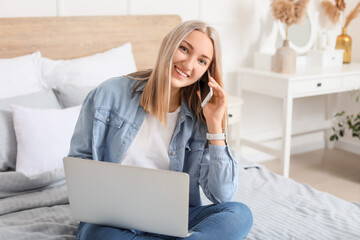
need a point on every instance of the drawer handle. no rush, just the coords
(230, 115)
(319, 84)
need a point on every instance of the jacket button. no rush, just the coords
(173, 153)
(108, 119)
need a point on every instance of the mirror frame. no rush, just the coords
(310, 43)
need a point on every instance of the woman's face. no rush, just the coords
(191, 59)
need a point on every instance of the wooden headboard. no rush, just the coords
(73, 37)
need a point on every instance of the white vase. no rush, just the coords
(284, 60)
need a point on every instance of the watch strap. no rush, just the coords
(216, 136)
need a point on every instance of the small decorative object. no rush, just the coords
(289, 12)
(325, 58)
(343, 41)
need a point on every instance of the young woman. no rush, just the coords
(153, 119)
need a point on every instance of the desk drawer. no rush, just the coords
(351, 82)
(314, 86)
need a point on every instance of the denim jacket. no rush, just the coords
(110, 118)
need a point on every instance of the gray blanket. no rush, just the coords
(37, 208)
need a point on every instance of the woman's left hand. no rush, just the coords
(215, 109)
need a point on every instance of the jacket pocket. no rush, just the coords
(107, 132)
(109, 118)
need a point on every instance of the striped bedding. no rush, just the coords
(37, 208)
(285, 209)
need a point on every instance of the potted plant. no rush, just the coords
(350, 122)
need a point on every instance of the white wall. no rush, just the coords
(238, 22)
(26, 8)
(241, 25)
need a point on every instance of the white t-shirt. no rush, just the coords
(150, 147)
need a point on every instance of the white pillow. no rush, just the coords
(43, 137)
(20, 75)
(91, 70)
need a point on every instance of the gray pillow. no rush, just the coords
(70, 95)
(8, 147)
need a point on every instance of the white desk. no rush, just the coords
(308, 81)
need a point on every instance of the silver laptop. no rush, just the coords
(148, 200)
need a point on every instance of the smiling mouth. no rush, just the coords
(181, 72)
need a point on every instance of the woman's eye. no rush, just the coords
(202, 62)
(183, 48)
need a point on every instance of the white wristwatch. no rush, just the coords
(217, 136)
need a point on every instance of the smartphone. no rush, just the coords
(206, 92)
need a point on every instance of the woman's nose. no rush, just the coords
(188, 64)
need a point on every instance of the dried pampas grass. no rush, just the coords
(354, 13)
(284, 11)
(289, 11)
(340, 4)
(300, 9)
(331, 11)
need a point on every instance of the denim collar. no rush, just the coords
(184, 109)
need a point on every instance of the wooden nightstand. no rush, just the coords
(234, 118)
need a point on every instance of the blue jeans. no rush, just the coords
(229, 220)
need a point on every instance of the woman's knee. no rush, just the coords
(241, 214)
(90, 231)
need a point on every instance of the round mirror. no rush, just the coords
(301, 36)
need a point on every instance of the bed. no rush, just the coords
(48, 65)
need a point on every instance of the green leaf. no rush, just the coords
(341, 132)
(339, 114)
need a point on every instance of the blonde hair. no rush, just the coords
(156, 96)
